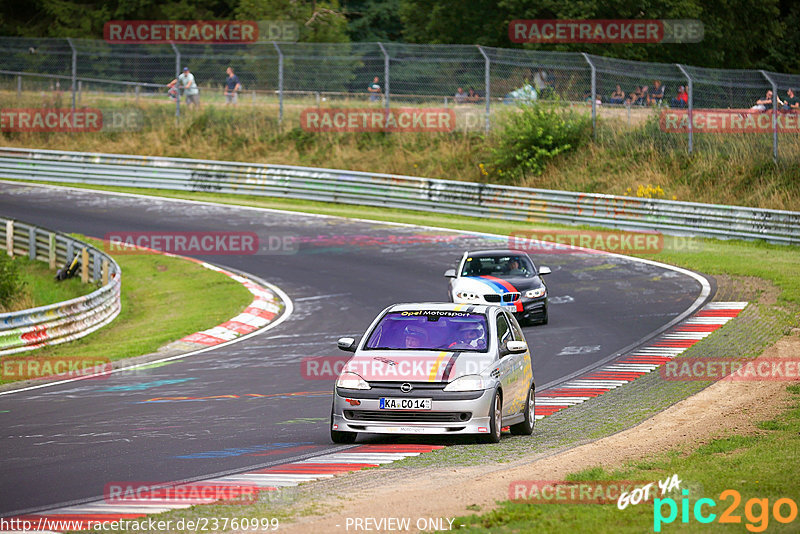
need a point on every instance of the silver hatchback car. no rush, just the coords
(436, 368)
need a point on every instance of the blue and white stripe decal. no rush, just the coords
(494, 286)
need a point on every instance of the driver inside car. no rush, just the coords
(415, 337)
(470, 336)
(514, 268)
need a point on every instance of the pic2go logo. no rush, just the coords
(758, 521)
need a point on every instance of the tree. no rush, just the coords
(373, 20)
(319, 21)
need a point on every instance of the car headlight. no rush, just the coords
(467, 383)
(536, 293)
(350, 380)
(467, 295)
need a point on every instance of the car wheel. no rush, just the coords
(525, 428)
(341, 437)
(495, 421)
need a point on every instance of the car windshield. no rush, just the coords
(430, 330)
(510, 266)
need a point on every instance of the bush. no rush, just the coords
(533, 135)
(11, 283)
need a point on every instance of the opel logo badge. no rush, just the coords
(406, 387)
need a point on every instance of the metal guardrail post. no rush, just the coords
(177, 73)
(10, 238)
(385, 77)
(51, 251)
(32, 243)
(74, 71)
(488, 88)
(774, 115)
(594, 94)
(690, 102)
(84, 266)
(280, 83)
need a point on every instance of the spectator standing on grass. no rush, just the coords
(460, 97)
(617, 97)
(232, 87)
(187, 87)
(792, 102)
(374, 90)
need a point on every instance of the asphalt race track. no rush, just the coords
(64, 443)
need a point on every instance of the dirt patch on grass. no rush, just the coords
(724, 408)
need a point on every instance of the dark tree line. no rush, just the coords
(762, 34)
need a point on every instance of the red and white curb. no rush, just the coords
(265, 306)
(85, 516)
(640, 362)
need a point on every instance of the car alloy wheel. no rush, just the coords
(525, 427)
(495, 421)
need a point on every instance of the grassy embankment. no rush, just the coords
(725, 169)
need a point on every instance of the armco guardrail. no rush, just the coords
(393, 191)
(64, 321)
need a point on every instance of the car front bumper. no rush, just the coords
(446, 416)
(533, 308)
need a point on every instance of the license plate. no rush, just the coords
(405, 404)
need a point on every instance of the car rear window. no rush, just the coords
(430, 330)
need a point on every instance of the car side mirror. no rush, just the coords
(513, 347)
(544, 270)
(450, 273)
(347, 344)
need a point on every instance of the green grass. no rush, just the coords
(762, 466)
(40, 287)
(163, 299)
